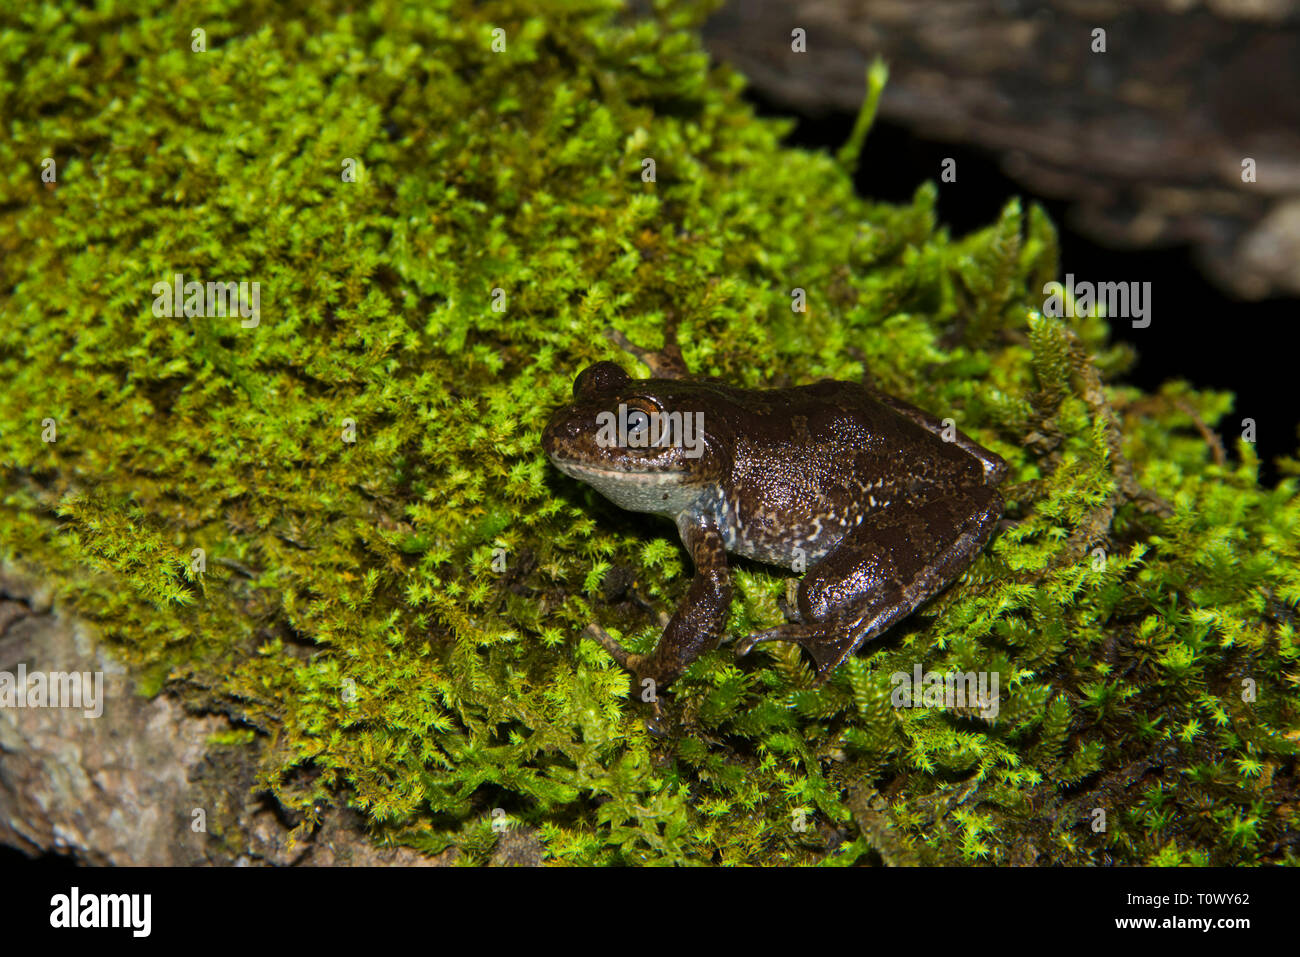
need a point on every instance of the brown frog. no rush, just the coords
(858, 487)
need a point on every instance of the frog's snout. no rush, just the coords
(561, 432)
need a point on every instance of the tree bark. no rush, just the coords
(124, 787)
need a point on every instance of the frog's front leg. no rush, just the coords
(697, 625)
(882, 571)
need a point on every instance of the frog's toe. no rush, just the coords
(657, 724)
(828, 651)
(827, 648)
(789, 632)
(627, 659)
(665, 363)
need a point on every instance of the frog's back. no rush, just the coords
(814, 462)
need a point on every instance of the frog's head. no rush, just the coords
(642, 443)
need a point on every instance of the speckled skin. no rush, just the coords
(883, 512)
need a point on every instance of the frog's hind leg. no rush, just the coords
(829, 643)
(665, 363)
(995, 467)
(880, 573)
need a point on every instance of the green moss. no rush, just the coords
(353, 608)
(232, 738)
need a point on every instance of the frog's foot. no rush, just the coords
(629, 660)
(828, 646)
(656, 724)
(665, 363)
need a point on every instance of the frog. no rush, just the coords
(879, 503)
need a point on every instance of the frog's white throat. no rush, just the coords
(668, 492)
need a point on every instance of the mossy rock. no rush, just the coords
(396, 605)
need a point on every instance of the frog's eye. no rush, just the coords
(638, 424)
(599, 379)
(640, 412)
(641, 403)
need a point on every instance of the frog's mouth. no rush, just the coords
(594, 474)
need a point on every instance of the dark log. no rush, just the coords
(1147, 138)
